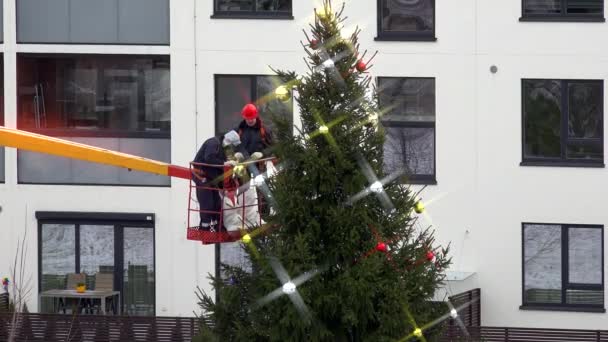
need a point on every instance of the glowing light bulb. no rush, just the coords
(328, 64)
(258, 180)
(373, 118)
(323, 129)
(289, 288)
(419, 207)
(239, 168)
(376, 187)
(418, 332)
(453, 313)
(246, 238)
(282, 93)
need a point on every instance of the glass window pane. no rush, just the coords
(542, 6)
(409, 149)
(96, 251)
(585, 255)
(407, 15)
(268, 104)
(542, 118)
(94, 93)
(234, 5)
(273, 5)
(58, 258)
(542, 263)
(584, 6)
(232, 94)
(590, 151)
(138, 290)
(409, 99)
(588, 297)
(585, 104)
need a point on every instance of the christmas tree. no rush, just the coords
(341, 257)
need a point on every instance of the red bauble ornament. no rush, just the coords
(381, 247)
(361, 66)
(430, 255)
(314, 44)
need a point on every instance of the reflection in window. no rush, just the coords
(138, 271)
(96, 251)
(408, 107)
(407, 18)
(563, 265)
(548, 105)
(563, 8)
(58, 256)
(253, 6)
(94, 93)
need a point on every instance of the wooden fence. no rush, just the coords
(496, 334)
(52, 327)
(468, 305)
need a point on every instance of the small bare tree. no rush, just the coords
(21, 287)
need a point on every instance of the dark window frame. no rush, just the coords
(417, 179)
(562, 17)
(255, 14)
(107, 133)
(119, 221)
(562, 161)
(566, 285)
(415, 36)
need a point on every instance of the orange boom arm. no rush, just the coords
(64, 148)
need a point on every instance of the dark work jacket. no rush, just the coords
(251, 138)
(211, 152)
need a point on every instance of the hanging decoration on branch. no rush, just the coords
(314, 44)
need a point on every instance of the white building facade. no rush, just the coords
(501, 102)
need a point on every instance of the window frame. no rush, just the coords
(415, 36)
(562, 17)
(105, 133)
(119, 221)
(416, 179)
(565, 284)
(562, 161)
(254, 14)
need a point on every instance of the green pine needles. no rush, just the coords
(320, 272)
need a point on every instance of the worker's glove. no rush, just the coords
(239, 156)
(256, 155)
(230, 163)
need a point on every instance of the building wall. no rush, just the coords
(482, 195)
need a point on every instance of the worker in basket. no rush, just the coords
(215, 151)
(256, 140)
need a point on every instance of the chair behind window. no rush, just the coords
(74, 279)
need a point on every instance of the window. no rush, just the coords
(406, 20)
(408, 105)
(563, 10)
(118, 244)
(232, 92)
(93, 22)
(563, 267)
(280, 9)
(118, 102)
(563, 122)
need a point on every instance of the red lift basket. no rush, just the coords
(229, 184)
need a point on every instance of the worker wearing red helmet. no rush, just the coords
(255, 137)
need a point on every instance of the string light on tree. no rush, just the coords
(328, 64)
(419, 207)
(418, 332)
(453, 313)
(281, 93)
(289, 288)
(376, 187)
(246, 238)
(323, 129)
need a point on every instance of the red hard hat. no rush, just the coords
(249, 112)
